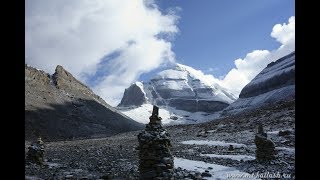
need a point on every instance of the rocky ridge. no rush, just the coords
(60, 107)
(273, 84)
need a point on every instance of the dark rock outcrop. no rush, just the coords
(284, 133)
(193, 105)
(133, 96)
(60, 107)
(155, 158)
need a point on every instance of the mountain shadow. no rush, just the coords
(80, 118)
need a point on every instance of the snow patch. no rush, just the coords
(142, 113)
(212, 143)
(233, 157)
(273, 132)
(171, 74)
(170, 116)
(217, 171)
(53, 165)
(289, 150)
(32, 178)
(140, 85)
(173, 85)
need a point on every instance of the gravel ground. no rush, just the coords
(116, 157)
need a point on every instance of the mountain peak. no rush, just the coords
(181, 87)
(60, 70)
(65, 80)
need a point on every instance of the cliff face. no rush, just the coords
(274, 83)
(134, 95)
(59, 107)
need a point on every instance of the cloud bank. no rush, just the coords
(247, 68)
(78, 34)
(109, 44)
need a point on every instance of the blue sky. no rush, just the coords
(214, 33)
(109, 45)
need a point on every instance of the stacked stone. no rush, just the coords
(36, 152)
(155, 158)
(265, 147)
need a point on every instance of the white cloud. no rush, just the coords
(78, 33)
(285, 34)
(247, 68)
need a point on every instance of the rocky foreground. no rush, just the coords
(227, 142)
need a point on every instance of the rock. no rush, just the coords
(194, 105)
(284, 133)
(202, 134)
(230, 147)
(265, 147)
(155, 158)
(106, 177)
(35, 152)
(260, 130)
(197, 175)
(206, 174)
(174, 117)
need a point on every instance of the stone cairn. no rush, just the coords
(155, 158)
(35, 152)
(265, 147)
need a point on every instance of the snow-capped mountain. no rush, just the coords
(274, 83)
(179, 89)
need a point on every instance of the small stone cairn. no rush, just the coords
(155, 158)
(35, 152)
(265, 147)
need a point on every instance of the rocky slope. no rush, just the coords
(274, 83)
(180, 87)
(61, 107)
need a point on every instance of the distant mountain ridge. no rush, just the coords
(60, 107)
(274, 83)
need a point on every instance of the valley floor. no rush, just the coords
(197, 148)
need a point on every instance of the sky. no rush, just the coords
(111, 44)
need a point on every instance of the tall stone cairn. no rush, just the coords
(35, 152)
(265, 147)
(155, 158)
